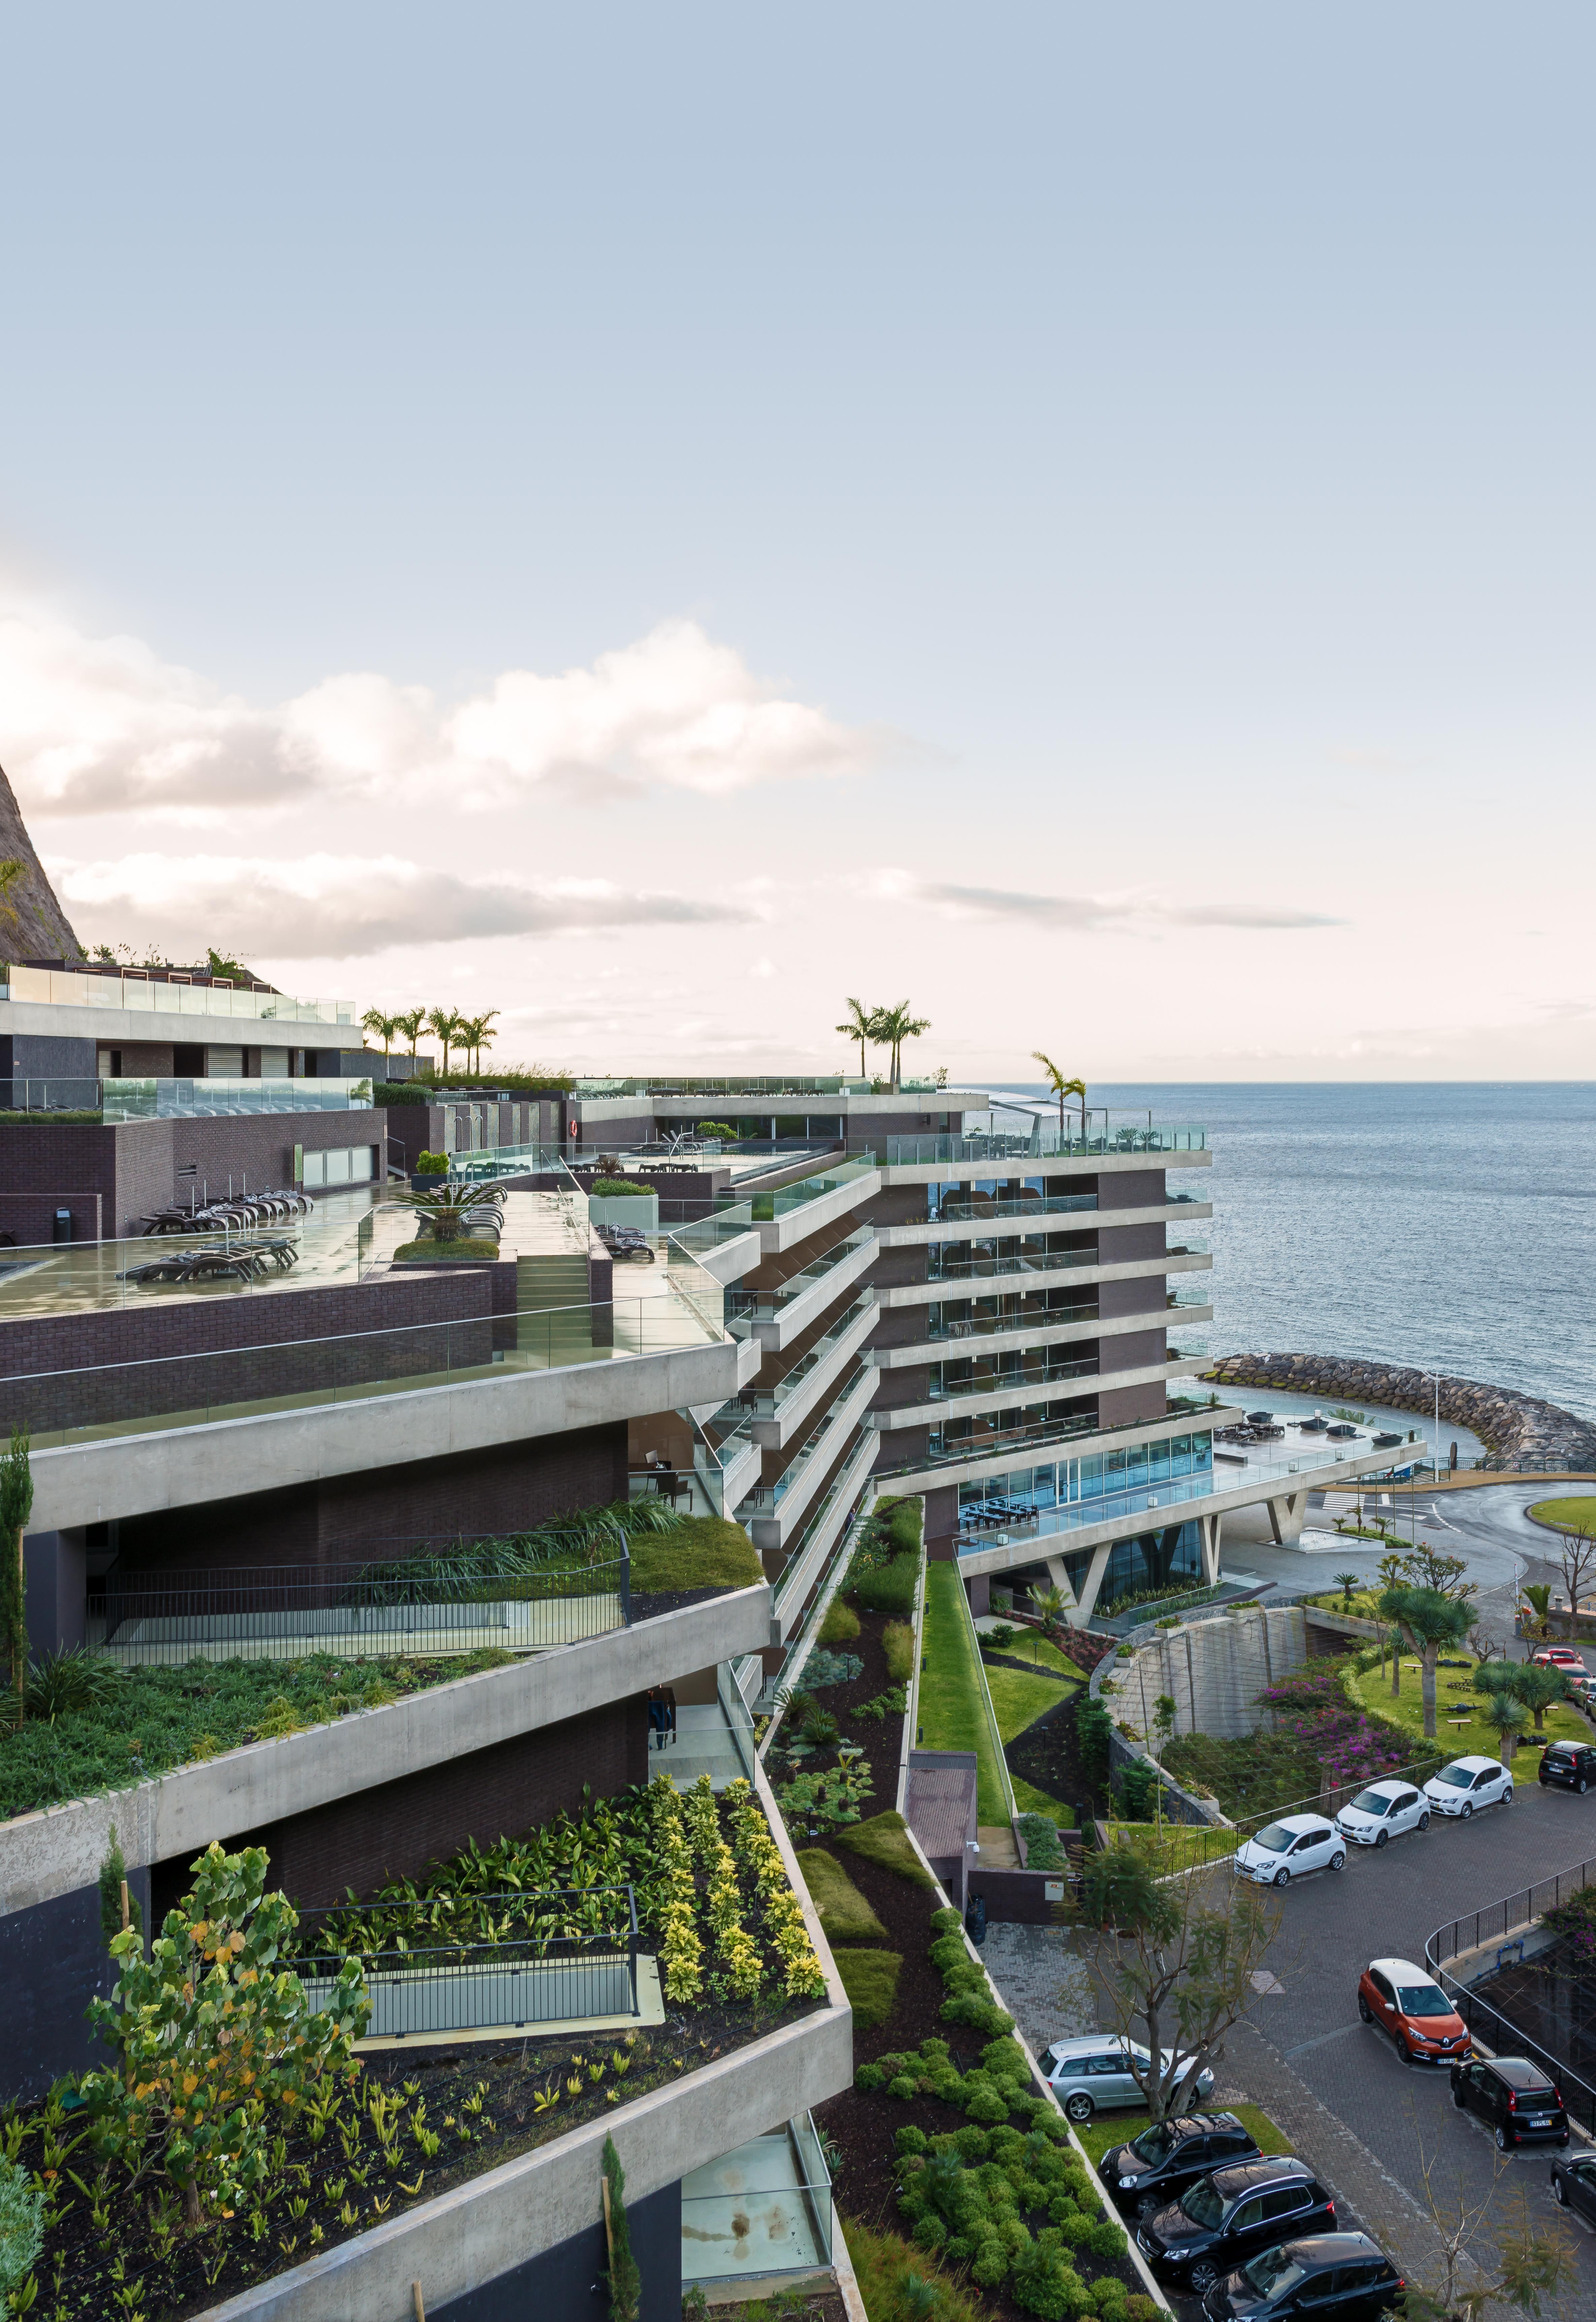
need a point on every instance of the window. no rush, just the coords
(1250, 2214)
(1423, 1999)
(1490, 1774)
(1285, 2201)
(1380, 1984)
(1318, 2289)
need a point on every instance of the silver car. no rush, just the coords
(1093, 2074)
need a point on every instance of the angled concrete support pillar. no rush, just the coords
(1285, 1517)
(1210, 1526)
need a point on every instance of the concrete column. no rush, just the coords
(980, 1594)
(56, 1567)
(1210, 1527)
(1286, 1516)
(1082, 1612)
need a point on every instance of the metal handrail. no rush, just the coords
(1521, 1909)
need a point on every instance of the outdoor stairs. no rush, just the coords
(554, 1285)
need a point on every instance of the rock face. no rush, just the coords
(1515, 1426)
(33, 925)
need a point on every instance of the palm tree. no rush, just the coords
(1061, 1088)
(381, 1028)
(1347, 1582)
(445, 1023)
(895, 1026)
(410, 1024)
(1509, 1717)
(477, 1033)
(860, 1026)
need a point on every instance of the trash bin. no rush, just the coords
(61, 1229)
(975, 1919)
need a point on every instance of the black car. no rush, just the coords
(1227, 2217)
(1159, 2165)
(1571, 1763)
(1346, 2275)
(1574, 2180)
(1512, 2097)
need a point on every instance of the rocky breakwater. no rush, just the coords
(1515, 1426)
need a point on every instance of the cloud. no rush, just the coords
(341, 907)
(1085, 913)
(97, 725)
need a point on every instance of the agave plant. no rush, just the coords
(74, 1678)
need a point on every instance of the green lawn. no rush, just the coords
(1029, 1799)
(1573, 1516)
(1029, 1647)
(1119, 2128)
(1476, 1739)
(1019, 1699)
(952, 1713)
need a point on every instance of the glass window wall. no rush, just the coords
(1043, 1253)
(1014, 1309)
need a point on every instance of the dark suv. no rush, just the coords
(1159, 2165)
(1342, 2275)
(1226, 2218)
(1571, 1763)
(1512, 2097)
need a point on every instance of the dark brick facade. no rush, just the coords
(345, 1518)
(162, 1355)
(397, 1829)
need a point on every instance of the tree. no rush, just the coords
(1428, 1620)
(445, 1023)
(1347, 1582)
(1537, 1596)
(222, 964)
(1527, 2265)
(1061, 1088)
(625, 2278)
(410, 1022)
(475, 1034)
(1509, 1718)
(858, 1025)
(381, 1026)
(1577, 1559)
(895, 1025)
(1174, 1962)
(16, 1505)
(211, 2031)
(1536, 1688)
(1425, 1567)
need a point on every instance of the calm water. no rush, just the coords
(1452, 1226)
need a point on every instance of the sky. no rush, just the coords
(657, 522)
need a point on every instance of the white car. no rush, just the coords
(1383, 1811)
(1467, 1783)
(1092, 2073)
(1290, 1848)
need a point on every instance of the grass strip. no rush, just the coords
(1122, 2128)
(884, 1840)
(698, 1552)
(870, 1978)
(953, 1713)
(845, 1916)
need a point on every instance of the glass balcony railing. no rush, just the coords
(766, 1498)
(767, 1305)
(997, 1381)
(1018, 1315)
(1102, 1137)
(972, 1261)
(61, 988)
(956, 1207)
(1201, 1298)
(770, 1209)
(177, 1100)
(769, 1403)
(850, 1478)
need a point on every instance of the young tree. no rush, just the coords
(214, 2035)
(1427, 1566)
(1347, 1582)
(16, 1505)
(1525, 2264)
(1174, 1962)
(1062, 1088)
(1428, 1620)
(1536, 1688)
(1577, 1557)
(1537, 1596)
(1509, 1718)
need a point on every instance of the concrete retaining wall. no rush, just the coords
(1214, 1670)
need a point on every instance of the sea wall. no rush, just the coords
(1514, 1425)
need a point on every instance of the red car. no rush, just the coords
(1562, 1657)
(1406, 2002)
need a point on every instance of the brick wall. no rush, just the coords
(397, 1829)
(343, 1519)
(98, 1366)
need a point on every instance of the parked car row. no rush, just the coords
(1300, 1842)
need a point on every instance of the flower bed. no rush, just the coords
(1321, 1740)
(367, 2139)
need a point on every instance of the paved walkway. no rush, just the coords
(1044, 1986)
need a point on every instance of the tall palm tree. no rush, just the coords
(1062, 1088)
(444, 1022)
(381, 1028)
(895, 1026)
(860, 1026)
(482, 1033)
(410, 1024)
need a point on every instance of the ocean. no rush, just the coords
(1451, 1225)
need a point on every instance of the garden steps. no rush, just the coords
(554, 1283)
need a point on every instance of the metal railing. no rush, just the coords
(418, 1604)
(1501, 1922)
(854, 1475)
(535, 1968)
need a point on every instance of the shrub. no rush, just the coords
(1093, 1725)
(869, 2076)
(1043, 1851)
(823, 1669)
(21, 2228)
(891, 1587)
(841, 1625)
(618, 1189)
(897, 1643)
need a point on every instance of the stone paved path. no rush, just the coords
(1046, 1987)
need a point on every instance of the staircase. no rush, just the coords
(555, 1285)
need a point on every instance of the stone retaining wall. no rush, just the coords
(1513, 1425)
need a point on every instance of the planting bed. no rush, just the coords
(881, 1738)
(1046, 1757)
(402, 2127)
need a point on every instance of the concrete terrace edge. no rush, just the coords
(58, 1850)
